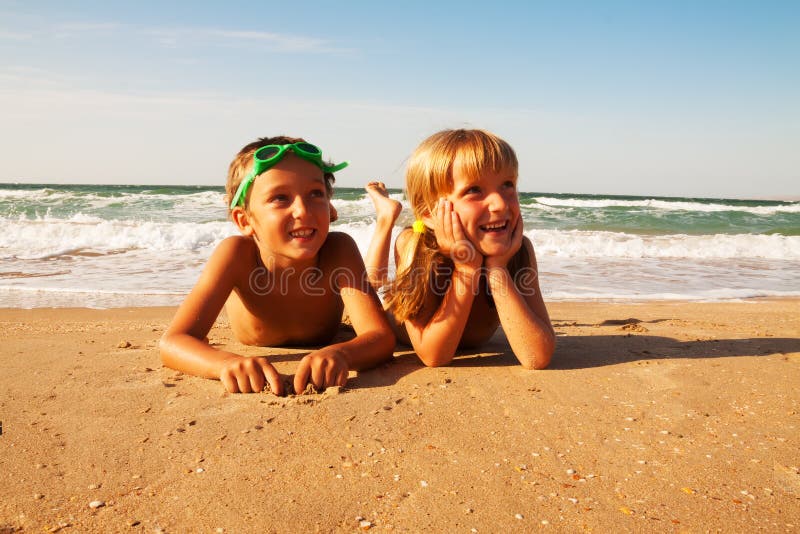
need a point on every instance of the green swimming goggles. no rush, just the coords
(268, 156)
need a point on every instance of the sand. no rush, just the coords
(654, 416)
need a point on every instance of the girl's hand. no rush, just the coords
(451, 238)
(249, 375)
(516, 244)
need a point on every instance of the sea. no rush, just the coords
(104, 246)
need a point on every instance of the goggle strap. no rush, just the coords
(337, 167)
(241, 191)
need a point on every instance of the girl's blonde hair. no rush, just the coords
(428, 178)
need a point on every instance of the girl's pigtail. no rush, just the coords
(406, 294)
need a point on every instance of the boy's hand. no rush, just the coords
(323, 368)
(516, 244)
(451, 238)
(248, 375)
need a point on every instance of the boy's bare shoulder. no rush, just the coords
(233, 250)
(235, 244)
(340, 246)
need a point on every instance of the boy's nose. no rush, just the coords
(299, 207)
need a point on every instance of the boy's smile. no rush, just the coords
(289, 212)
(488, 207)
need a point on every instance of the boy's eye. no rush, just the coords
(317, 193)
(509, 185)
(279, 198)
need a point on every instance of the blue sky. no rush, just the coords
(670, 98)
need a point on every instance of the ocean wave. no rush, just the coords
(43, 239)
(665, 205)
(713, 295)
(577, 243)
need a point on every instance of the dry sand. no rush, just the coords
(683, 420)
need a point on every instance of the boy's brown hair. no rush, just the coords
(243, 164)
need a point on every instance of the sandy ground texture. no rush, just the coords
(657, 416)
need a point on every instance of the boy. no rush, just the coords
(284, 281)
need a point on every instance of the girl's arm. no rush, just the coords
(522, 311)
(436, 333)
(374, 341)
(183, 346)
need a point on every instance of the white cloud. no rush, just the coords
(173, 37)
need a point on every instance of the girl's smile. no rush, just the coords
(488, 207)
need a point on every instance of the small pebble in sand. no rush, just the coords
(199, 470)
(38, 496)
(364, 525)
(96, 504)
(93, 486)
(519, 516)
(570, 471)
(423, 483)
(124, 344)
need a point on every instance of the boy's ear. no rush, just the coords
(241, 219)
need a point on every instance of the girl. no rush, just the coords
(464, 267)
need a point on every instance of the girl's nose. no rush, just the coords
(497, 202)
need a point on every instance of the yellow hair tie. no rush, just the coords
(418, 226)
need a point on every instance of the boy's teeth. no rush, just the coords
(301, 233)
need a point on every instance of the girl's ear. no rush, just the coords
(242, 220)
(427, 218)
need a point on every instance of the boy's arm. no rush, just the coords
(374, 341)
(183, 347)
(523, 314)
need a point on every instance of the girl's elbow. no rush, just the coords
(433, 359)
(541, 358)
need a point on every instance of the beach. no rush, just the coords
(660, 415)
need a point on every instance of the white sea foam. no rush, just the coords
(666, 205)
(577, 243)
(48, 238)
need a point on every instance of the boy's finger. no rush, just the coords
(341, 380)
(302, 375)
(229, 382)
(272, 378)
(318, 377)
(243, 381)
(257, 379)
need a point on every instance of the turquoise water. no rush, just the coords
(104, 245)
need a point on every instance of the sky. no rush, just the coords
(672, 98)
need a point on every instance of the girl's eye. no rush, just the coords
(472, 190)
